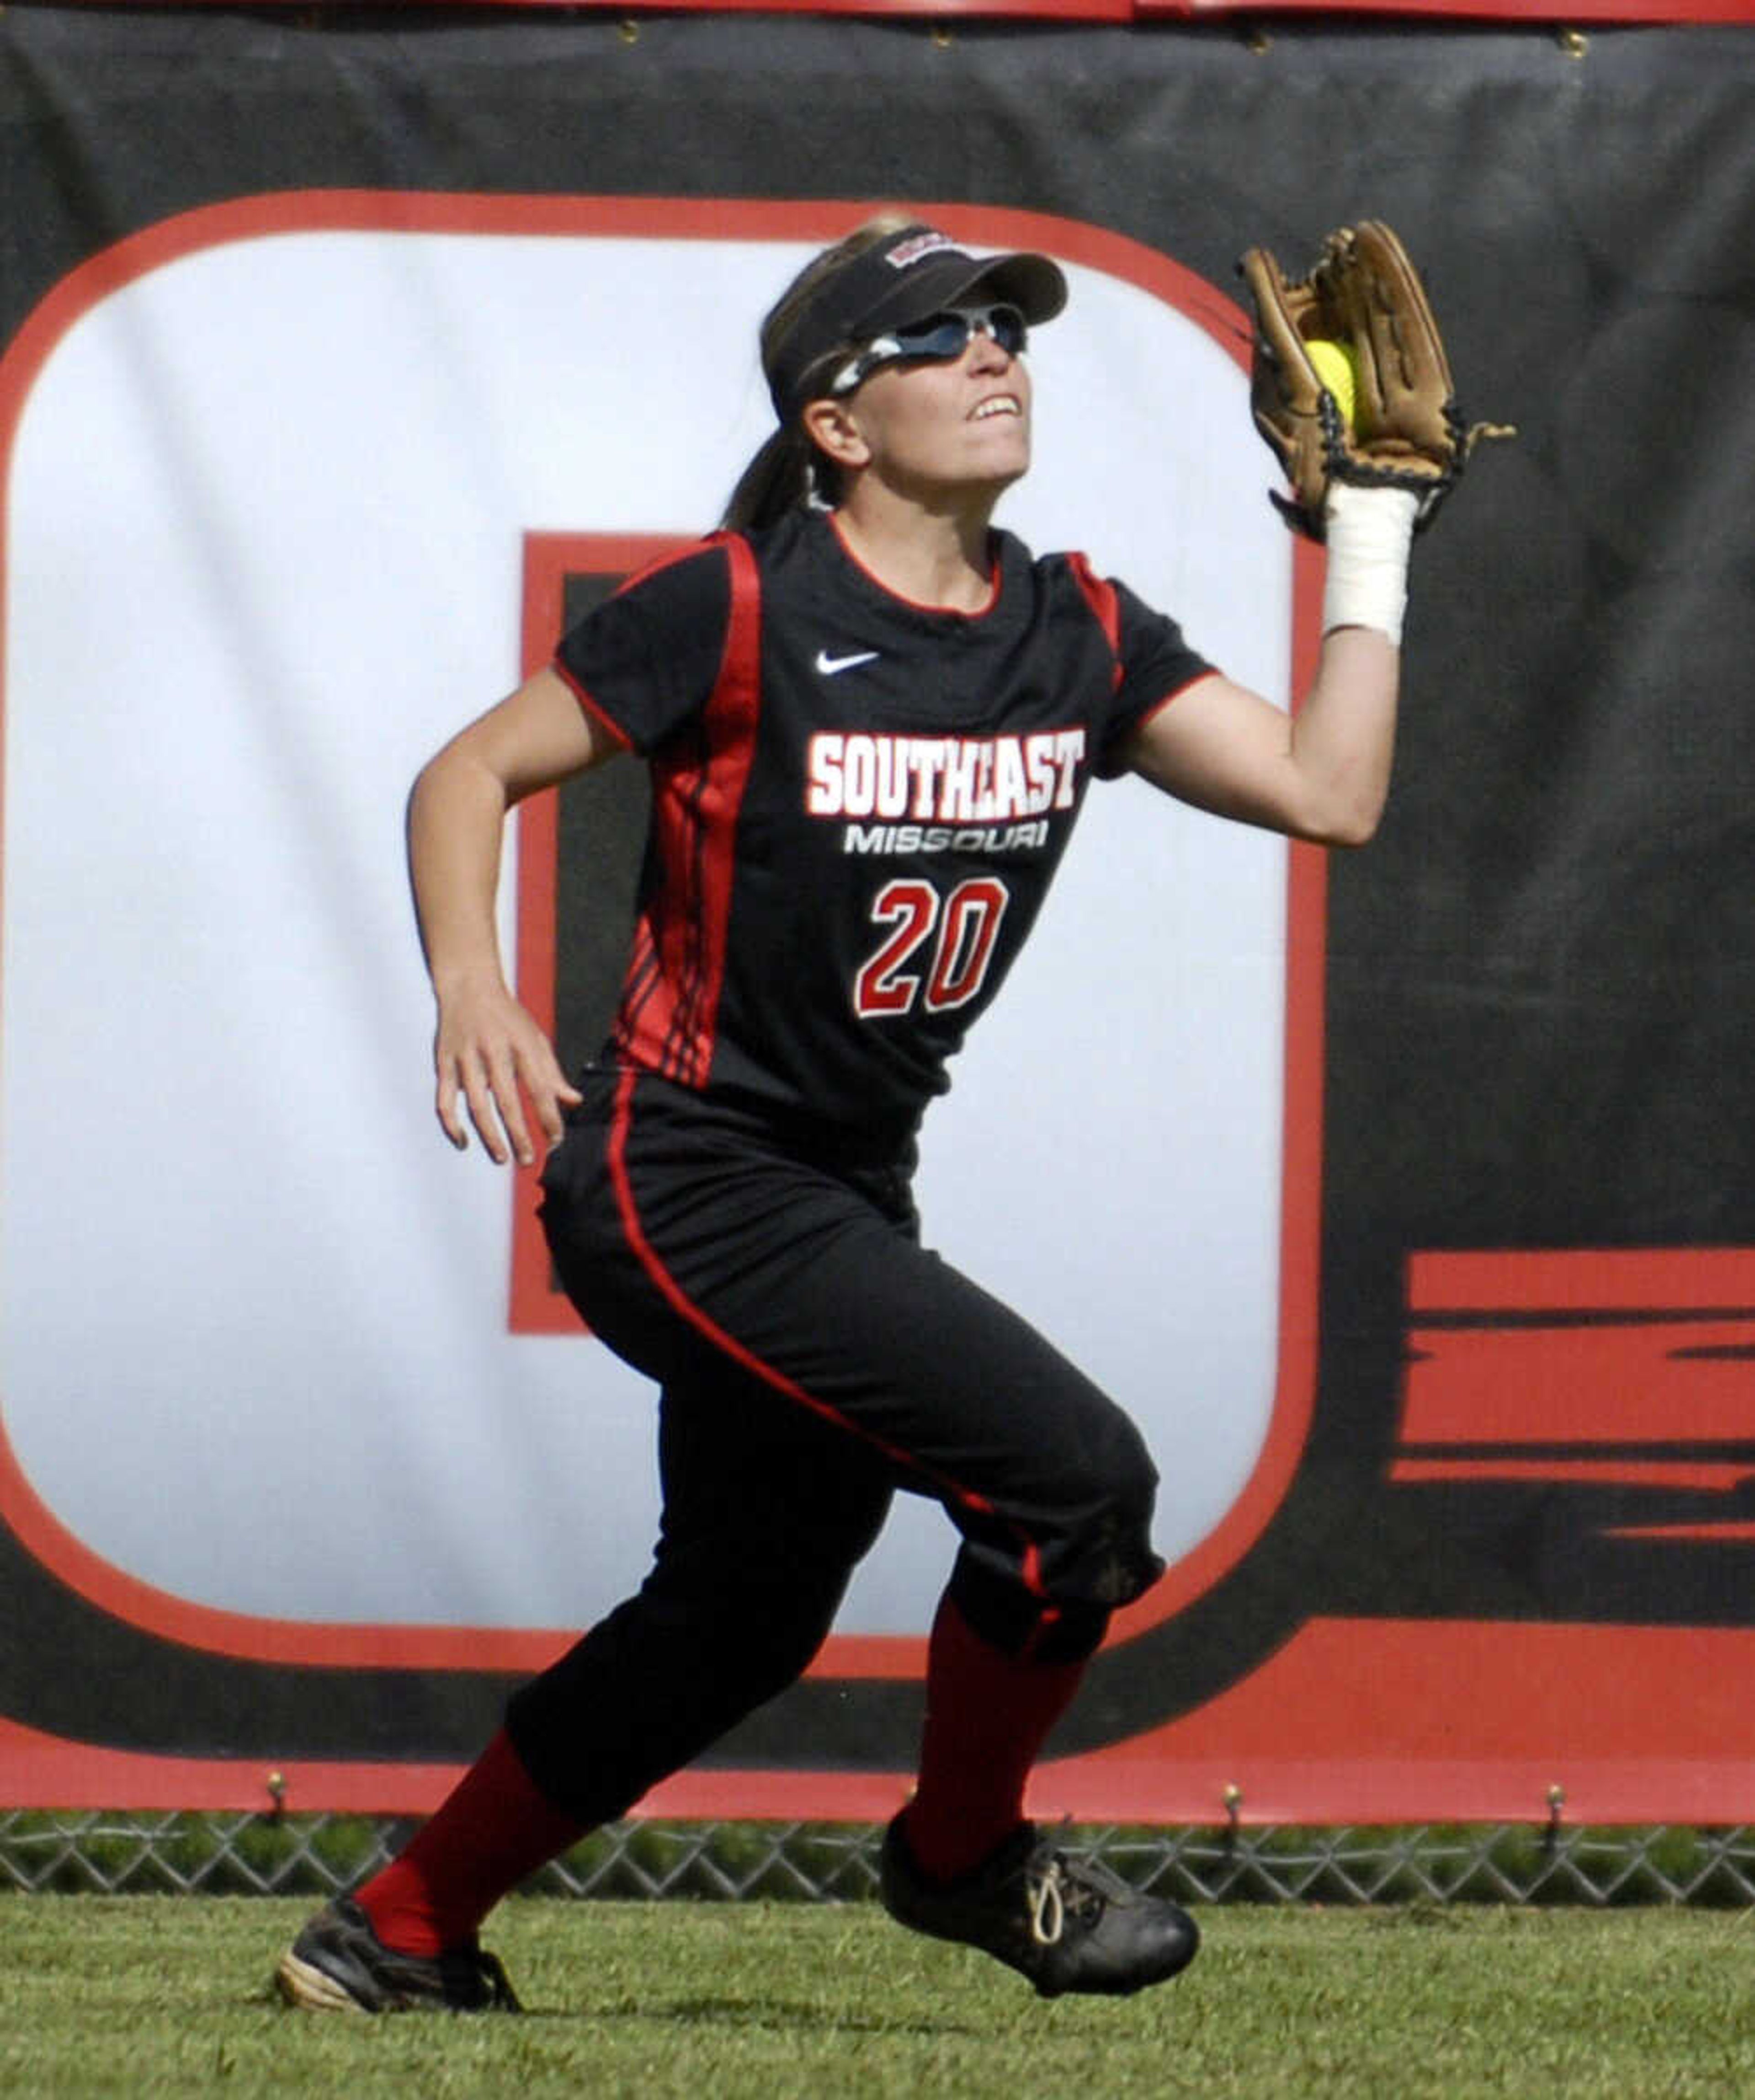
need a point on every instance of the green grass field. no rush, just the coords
(160, 1995)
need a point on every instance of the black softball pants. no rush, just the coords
(813, 1358)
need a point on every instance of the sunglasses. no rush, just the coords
(939, 338)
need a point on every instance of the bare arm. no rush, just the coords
(487, 1047)
(1322, 773)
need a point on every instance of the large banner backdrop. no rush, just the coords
(1407, 1198)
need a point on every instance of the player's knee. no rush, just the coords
(1069, 1549)
(1103, 1552)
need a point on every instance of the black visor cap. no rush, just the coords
(906, 277)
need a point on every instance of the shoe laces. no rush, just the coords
(1047, 1906)
(1058, 1886)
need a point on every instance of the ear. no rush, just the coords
(832, 427)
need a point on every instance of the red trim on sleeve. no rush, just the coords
(1105, 602)
(617, 736)
(1114, 761)
(1175, 693)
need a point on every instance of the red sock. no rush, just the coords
(491, 1831)
(988, 1714)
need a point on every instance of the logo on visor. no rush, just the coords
(923, 244)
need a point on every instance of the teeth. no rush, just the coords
(1001, 405)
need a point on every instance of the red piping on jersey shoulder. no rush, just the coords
(614, 730)
(666, 560)
(1099, 595)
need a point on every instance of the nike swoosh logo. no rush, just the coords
(828, 665)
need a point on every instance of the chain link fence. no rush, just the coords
(318, 1855)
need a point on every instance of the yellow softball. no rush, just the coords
(1334, 367)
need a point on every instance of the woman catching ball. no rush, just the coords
(727, 1187)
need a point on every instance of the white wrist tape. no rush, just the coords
(1370, 531)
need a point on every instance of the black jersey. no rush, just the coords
(858, 802)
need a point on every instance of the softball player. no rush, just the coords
(871, 721)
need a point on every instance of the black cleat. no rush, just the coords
(338, 1965)
(1065, 1922)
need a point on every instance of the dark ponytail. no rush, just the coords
(779, 479)
(788, 472)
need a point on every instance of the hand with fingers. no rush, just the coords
(494, 1061)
